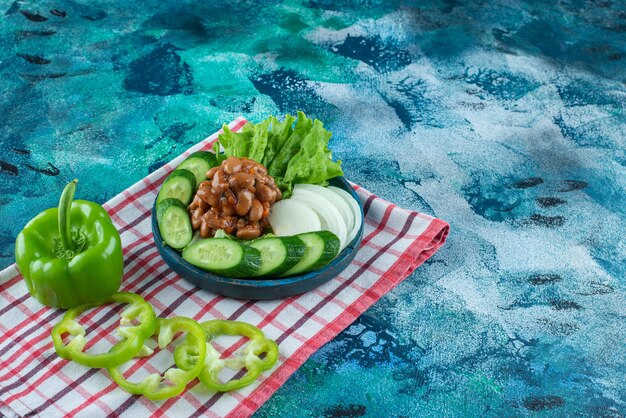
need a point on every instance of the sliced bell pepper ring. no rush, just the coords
(248, 358)
(131, 345)
(191, 352)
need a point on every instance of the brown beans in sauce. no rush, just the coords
(256, 211)
(249, 232)
(231, 165)
(211, 172)
(196, 218)
(204, 230)
(241, 181)
(264, 193)
(228, 209)
(236, 198)
(213, 199)
(244, 202)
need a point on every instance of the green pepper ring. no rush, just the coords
(248, 359)
(192, 352)
(124, 350)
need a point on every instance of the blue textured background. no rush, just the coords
(504, 118)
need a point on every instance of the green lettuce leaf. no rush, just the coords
(258, 142)
(237, 144)
(278, 166)
(279, 133)
(219, 157)
(312, 163)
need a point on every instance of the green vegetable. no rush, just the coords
(292, 156)
(278, 254)
(237, 144)
(321, 248)
(194, 357)
(131, 345)
(258, 142)
(290, 148)
(174, 223)
(191, 352)
(180, 184)
(279, 133)
(70, 255)
(219, 156)
(312, 163)
(249, 359)
(223, 256)
(199, 163)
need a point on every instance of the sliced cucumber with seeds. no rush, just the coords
(320, 249)
(278, 254)
(180, 184)
(174, 223)
(199, 163)
(223, 256)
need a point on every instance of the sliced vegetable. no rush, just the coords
(291, 217)
(278, 254)
(321, 248)
(191, 352)
(249, 359)
(194, 357)
(180, 184)
(199, 163)
(124, 350)
(341, 205)
(174, 223)
(356, 211)
(329, 215)
(223, 256)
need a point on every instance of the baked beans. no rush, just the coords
(236, 197)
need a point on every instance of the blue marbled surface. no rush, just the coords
(504, 118)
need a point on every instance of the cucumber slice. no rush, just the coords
(223, 256)
(199, 163)
(278, 254)
(174, 223)
(321, 248)
(180, 184)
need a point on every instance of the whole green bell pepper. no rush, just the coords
(70, 255)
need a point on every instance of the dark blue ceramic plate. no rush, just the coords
(273, 288)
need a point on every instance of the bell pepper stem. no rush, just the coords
(65, 226)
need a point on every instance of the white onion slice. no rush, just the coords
(334, 198)
(356, 211)
(328, 214)
(291, 217)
